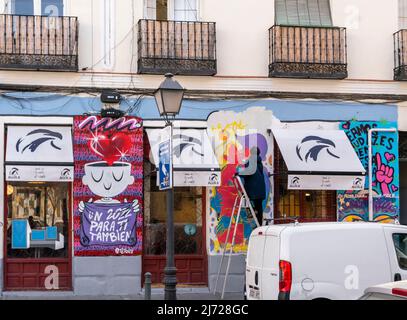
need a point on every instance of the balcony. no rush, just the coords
(308, 52)
(38, 43)
(184, 48)
(400, 55)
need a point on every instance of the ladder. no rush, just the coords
(242, 201)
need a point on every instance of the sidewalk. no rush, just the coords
(156, 294)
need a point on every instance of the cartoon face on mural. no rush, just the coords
(107, 181)
(110, 210)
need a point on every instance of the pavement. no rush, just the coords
(156, 294)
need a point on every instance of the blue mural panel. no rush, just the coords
(353, 205)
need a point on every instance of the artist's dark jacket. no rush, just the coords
(254, 184)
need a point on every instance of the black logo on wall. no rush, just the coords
(66, 174)
(14, 173)
(357, 183)
(36, 138)
(295, 182)
(311, 147)
(182, 142)
(214, 179)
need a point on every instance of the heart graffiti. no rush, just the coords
(110, 148)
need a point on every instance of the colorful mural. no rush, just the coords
(354, 205)
(234, 134)
(108, 186)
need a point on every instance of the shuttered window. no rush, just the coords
(303, 13)
(402, 14)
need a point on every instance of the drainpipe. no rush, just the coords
(371, 215)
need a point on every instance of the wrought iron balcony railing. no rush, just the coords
(400, 55)
(179, 47)
(38, 43)
(308, 52)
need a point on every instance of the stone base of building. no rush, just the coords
(236, 277)
(99, 276)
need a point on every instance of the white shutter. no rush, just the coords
(185, 10)
(402, 14)
(150, 9)
(303, 12)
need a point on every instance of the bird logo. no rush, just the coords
(182, 142)
(34, 139)
(311, 147)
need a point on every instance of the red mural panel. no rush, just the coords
(108, 186)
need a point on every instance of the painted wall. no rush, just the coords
(386, 203)
(234, 134)
(108, 186)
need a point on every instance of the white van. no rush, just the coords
(323, 260)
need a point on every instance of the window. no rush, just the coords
(44, 7)
(52, 8)
(45, 208)
(402, 14)
(303, 13)
(185, 10)
(23, 7)
(188, 232)
(179, 10)
(400, 243)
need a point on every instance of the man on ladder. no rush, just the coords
(254, 189)
(253, 178)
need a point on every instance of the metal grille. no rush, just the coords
(38, 42)
(309, 205)
(400, 56)
(176, 46)
(308, 52)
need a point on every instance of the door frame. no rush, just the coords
(50, 261)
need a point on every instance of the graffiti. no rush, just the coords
(108, 186)
(354, 205)
(234, 137)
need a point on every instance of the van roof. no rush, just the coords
(314, 226)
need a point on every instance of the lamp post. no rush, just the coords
(169, 99)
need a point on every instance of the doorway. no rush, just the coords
(37, 239)
(189, 220)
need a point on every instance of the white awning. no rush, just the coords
(320, 160)
(39, 153)
(194, 161)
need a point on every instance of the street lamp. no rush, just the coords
(169, 99)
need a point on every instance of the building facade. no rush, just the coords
(256, 74)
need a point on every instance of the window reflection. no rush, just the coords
(44, 208)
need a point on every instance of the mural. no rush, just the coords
(108, 186)
(234, 134)
(354, 205)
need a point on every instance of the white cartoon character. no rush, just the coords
(108, 181)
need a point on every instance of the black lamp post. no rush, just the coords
(169, 99)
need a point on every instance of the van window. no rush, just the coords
(400, 242)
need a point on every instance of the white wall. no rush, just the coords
(242, 48)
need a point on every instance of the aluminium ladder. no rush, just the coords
(242, 201)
